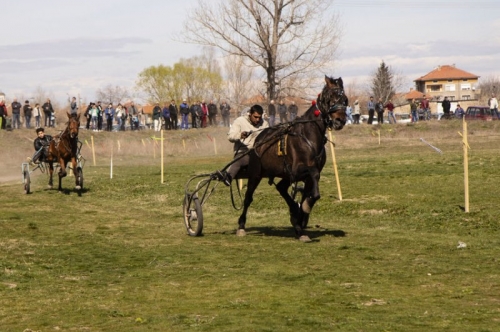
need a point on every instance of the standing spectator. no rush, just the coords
(100, 114)
(94, 116)
(3, 114)
(109, 112)
(459, 112)
(27, 110)
(119, 112)
(87, 115)
(165, 113)
(195, 113)
(157, 117)
(204, 114)
(225, 111)
(424, 105)
(293, 110)
(379, 107)
(493, 103)
(16, 114)
(390, 111)
(348, 113)
(413, 109)
(173, 114)
(446, 107)
(282, 112)
(371, 110)
(184, 109)
(212, 114)
(37, 113)
(271, 112)
(356, 113)
(47, 112)
(73, 106)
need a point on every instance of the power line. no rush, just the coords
(423, 4)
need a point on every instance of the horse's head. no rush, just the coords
(73, 125)
(332, 103)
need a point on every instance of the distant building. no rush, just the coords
(2, 96)
(448, 81)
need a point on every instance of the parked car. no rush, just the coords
(479, 113)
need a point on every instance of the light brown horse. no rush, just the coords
(64, 148)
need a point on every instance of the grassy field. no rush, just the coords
(385, 258)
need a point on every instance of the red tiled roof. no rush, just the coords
(414, 94)
(446, 72)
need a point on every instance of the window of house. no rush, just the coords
(449, 87)
(434, 88)
(465, 86)
(466, 97)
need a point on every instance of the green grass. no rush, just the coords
(385, 258)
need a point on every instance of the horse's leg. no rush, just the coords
(282, 188)
(311, 195)
(253, 183)
(51, 172)
(62, 172)
(75, 173)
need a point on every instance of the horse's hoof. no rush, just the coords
(49, 186)
(78, 188)
(305, 239)
(241, 232)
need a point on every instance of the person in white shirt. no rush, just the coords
(243, 133)
(493, 102)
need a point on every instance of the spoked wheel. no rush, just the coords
(79, 177)
(26, 181)
(193, 216)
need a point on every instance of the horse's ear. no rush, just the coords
(328, 81)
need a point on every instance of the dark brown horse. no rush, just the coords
(295, 152)
(64, 149)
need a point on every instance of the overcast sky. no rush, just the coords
(70, 47)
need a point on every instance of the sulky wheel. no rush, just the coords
(79, 177)
(26, 181)
(193, 216)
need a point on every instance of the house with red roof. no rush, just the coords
(448, 81)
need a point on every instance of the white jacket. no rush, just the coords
(240, 125)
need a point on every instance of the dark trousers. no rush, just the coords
(173, 121)
(238, 164)
(356, 118)
(380, 117)
(371, 113)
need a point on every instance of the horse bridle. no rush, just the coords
(336, 106)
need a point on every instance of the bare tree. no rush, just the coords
(112, 94)
(290, 40)
(489, 86)
(239, 79)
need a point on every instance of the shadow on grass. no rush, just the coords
(313, 233)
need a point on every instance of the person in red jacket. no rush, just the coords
(390, 109)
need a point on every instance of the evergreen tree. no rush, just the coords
(383, 83)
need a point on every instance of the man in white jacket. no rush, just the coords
(243, 133)
(493, 102)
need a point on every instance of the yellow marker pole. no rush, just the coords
(161, 145)
(466, 146)
(111, 164)
(240, 183)
(184, 144)
(215, 146)
(142, 139)
(334, 164)
(379, 137)
(118, 142)
(93, 149)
